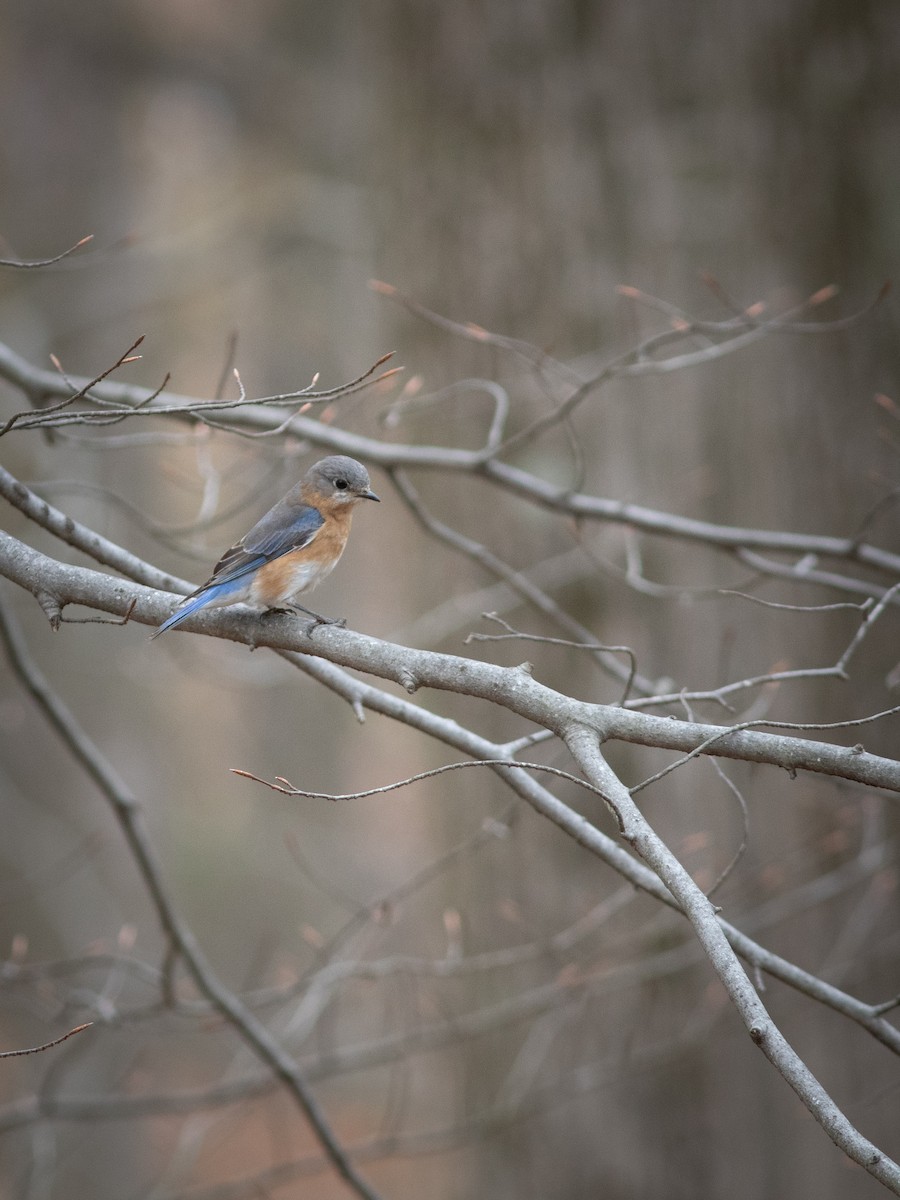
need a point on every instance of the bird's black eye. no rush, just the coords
(341, 485)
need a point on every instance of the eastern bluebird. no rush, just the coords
(292, 548)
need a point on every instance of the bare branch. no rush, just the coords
(24, 420)
(127, 812)
(517, 635)
(143, 403)
(413, 669)
(471, 332)
(307, 991)
(288, 789)
(697, 908)
(32, 264)
(804, 608)
(525, 587)
(809, 548)
(47, 1045)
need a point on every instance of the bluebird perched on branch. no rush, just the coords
(291, 549)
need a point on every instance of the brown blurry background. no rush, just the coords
(245, 169)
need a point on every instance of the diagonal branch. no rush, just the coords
(127, 812)
(584, 746)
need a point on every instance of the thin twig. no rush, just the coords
(516, 635)
(47, 1045)
(525, 587)
(286, 788)
(34, 263)
(23, 419)
(804, 608)
(146, 406)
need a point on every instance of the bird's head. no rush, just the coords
(339, 479)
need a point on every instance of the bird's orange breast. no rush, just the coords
(300, 570)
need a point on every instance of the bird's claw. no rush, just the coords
(315, 618)
(337, 622)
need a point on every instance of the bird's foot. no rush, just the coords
(317, 618)
(337, 622)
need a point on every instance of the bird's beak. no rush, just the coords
(370, 496)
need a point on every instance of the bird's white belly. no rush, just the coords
(286, 579)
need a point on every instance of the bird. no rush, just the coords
(289, 550)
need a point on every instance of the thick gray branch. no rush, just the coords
(583, 744)
(55, 585)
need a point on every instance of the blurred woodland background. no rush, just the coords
(246, 169)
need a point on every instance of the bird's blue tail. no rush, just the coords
(181, 614)
(227, 592)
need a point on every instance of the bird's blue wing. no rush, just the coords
(282, 529)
